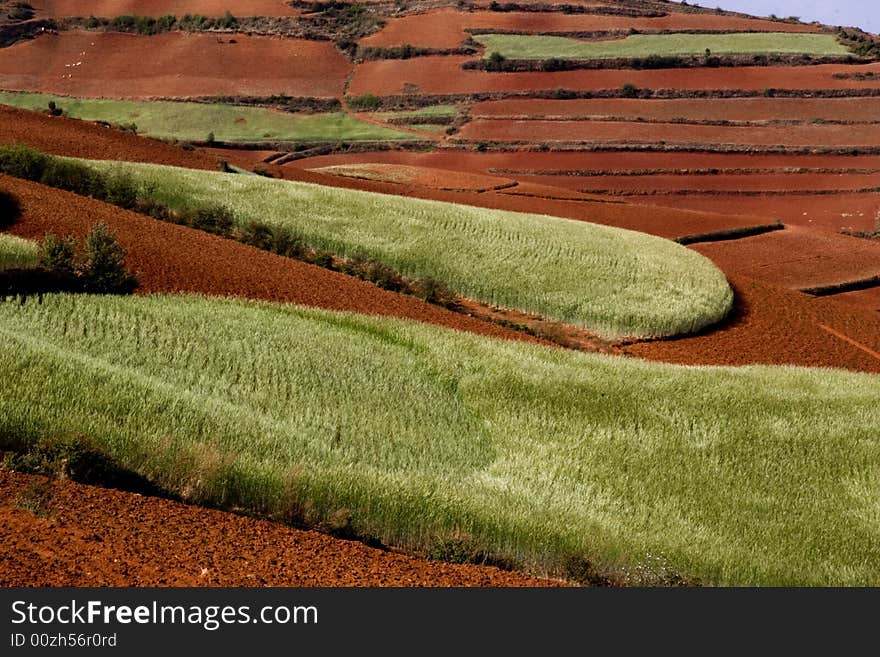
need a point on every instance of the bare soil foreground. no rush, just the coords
(156, 8)
(176, 64)
(445, 28)
(59, 533)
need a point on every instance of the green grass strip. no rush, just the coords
(194, 121)
(616, 282)
(430, 438)
(517, 46)
(18, 253)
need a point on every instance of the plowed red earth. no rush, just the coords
(246, 159)
(778, 327)
(445, 28)
(854, 212)
(170, 258)
(172, 65)
(402, 174)
(444, 75)
(797, 257)
(74, 138)
(156, 8)
(86, 536)
(765, 182)
(676, 133)
(707, 109)
(610, 161)
(869, 298)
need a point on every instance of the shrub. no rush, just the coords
(23, 162)
(496, 62)
(367, 102)
(57, 255)
(210, 218)
(122, 191)
(54, 110)
(630, 90)
(103, 267)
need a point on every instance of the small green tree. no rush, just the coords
(496, 61)
(630, 90)
(57, 255)
(103, 268)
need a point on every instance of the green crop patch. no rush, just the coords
(18, 253)
(554, 461)
(616, 282)
(189, 121)
(517, 46)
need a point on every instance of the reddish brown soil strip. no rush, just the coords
(87, 536)
(660, 184)
(634, 132)
(856, 344)
(854, 212)
(708, 109)
(172, 65)
(778, 327)
(608, 161)
(443, 75)
(798, 257)
(156, 8)
(869, 298)
(402, 174)
(768, 182)
(445, 28)
(74, 138)
(170, 258)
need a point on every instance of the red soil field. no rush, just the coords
(246, 159)
(797, 257)
(708, 109)
(675, 133)
(858, 212)
(757, 182)
(779, 327)
(170, 259)
(172, 65)
(869, 298)
(445, 28)
(422, 176)
(156, 8)
(443, 75)
(74, 138)
(88, 536)
(523, 162)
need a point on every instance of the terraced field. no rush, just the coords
(426, 438)
(614, 282)
(195, 121)
(516, 46)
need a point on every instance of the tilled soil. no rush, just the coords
(156, 8)
(675, 133)
(174, 64)
(75, 138)
(59, 533)
(402, 174)
(444, 75)
(708, 109)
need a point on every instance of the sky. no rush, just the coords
(859, 13)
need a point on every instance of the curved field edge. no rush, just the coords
(615, 282)
(554, 462)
